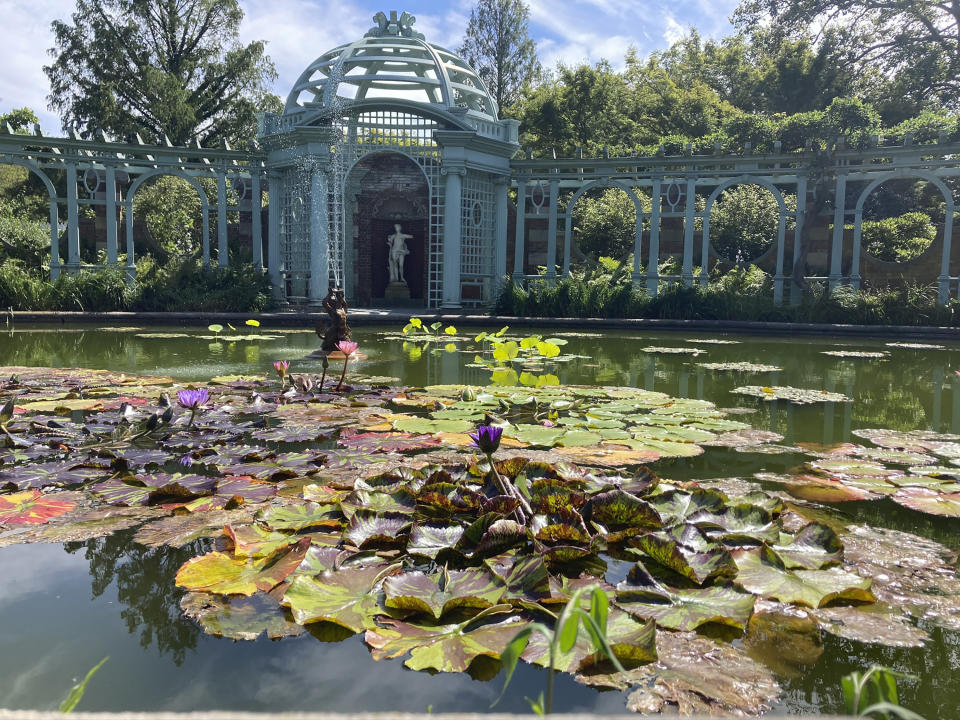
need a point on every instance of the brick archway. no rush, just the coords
(388, 189)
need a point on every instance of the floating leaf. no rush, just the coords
(348, 597)
(31, 508)
(442, 648)
(798, 396)
(740, 367)
(761, 572)
(219, 573)
(617, 509)
(239, 618)
(929, 501)
(871, 624)
(440, 593)
(684, 550)
(368, 528)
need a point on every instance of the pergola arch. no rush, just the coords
(54, 212)
(708, 206)
(568, 220)
(943, 280)
(204, 211)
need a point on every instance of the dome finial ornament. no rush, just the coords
(393, 26)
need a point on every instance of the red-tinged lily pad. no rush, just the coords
(59, 474)
(928, 500)
(442, 592)
(762, 573)
(617, 509)
(219, 573)
(348, 598)
(525, 578)
(31, 507)
(371, 529)
(179, 530)
(433, 539)
(443, 648)
(252, 491)
(686, 551)
(277, 467)
(386, 442)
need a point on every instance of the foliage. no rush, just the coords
(76, 692)
(21, 120)
(874, 694)
(562, 638)
(744, 221)
(740, 294)
(499, 47)
(26, 241)
(159, 69)
(177, 287)
(605, 224)
(170, 208)
(898, 239)
(912, 41)
(186, 286)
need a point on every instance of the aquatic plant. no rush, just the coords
(874, 693)
(281, 366)
(193, 400)
(347, 347)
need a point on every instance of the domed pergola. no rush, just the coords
(389, 136)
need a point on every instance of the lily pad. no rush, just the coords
(745, 367)
(440, 593)
(798, 396)
(32, 508)
(348, 597)
(217, 572)
(239, 618)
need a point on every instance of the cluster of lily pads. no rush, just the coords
(370, 511)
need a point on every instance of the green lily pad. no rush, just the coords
(762, 573)
(745, 367)
(239, 618)
(442, 648)
(217, 572)
(798, 396)
(686, 551)
(854, 354)
(348, 598)
(440, 593)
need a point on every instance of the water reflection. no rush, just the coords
(144, 579)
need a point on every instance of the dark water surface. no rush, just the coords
(64, 607)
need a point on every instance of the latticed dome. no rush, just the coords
(392, 61)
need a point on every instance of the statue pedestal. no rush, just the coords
(397, 291)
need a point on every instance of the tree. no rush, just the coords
(499, 47)
(21, 120)
(914, 43)
(159, 67)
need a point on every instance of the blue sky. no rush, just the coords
(297, 31)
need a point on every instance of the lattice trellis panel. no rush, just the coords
(478, 212)
(295, 231)
(404, 133)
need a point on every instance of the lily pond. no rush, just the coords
(763, 515)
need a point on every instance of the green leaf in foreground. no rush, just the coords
(349, 597)
(76, 692)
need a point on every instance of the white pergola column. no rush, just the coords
(653, 261)
(521, 225)
(273, 234)
(73, 220)
(690, 212)
(319, 236)
(223, 259)
(452, 235)
(256, 220)
(110, 190)
(54, 238)
(796, 291)
(839, 213)
(552, 231)
(501, 184)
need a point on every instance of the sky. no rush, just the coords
(298, 31)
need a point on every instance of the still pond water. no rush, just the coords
(64, 607)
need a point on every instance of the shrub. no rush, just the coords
(744, 221)
(25, 240)
(186, 286)
(898, 239)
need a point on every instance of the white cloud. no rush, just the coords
(673, 30)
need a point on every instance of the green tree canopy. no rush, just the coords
(915, 43)
(21, 120)
(499, 47)
(159, 67)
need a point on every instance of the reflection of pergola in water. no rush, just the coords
(392, 129)
(384, 130)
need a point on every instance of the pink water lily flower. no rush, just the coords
(347, 347)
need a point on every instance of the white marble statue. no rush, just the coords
(396, 243)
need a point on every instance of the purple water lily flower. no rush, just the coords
(193, 399)
(186, 460)
(487, 438)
